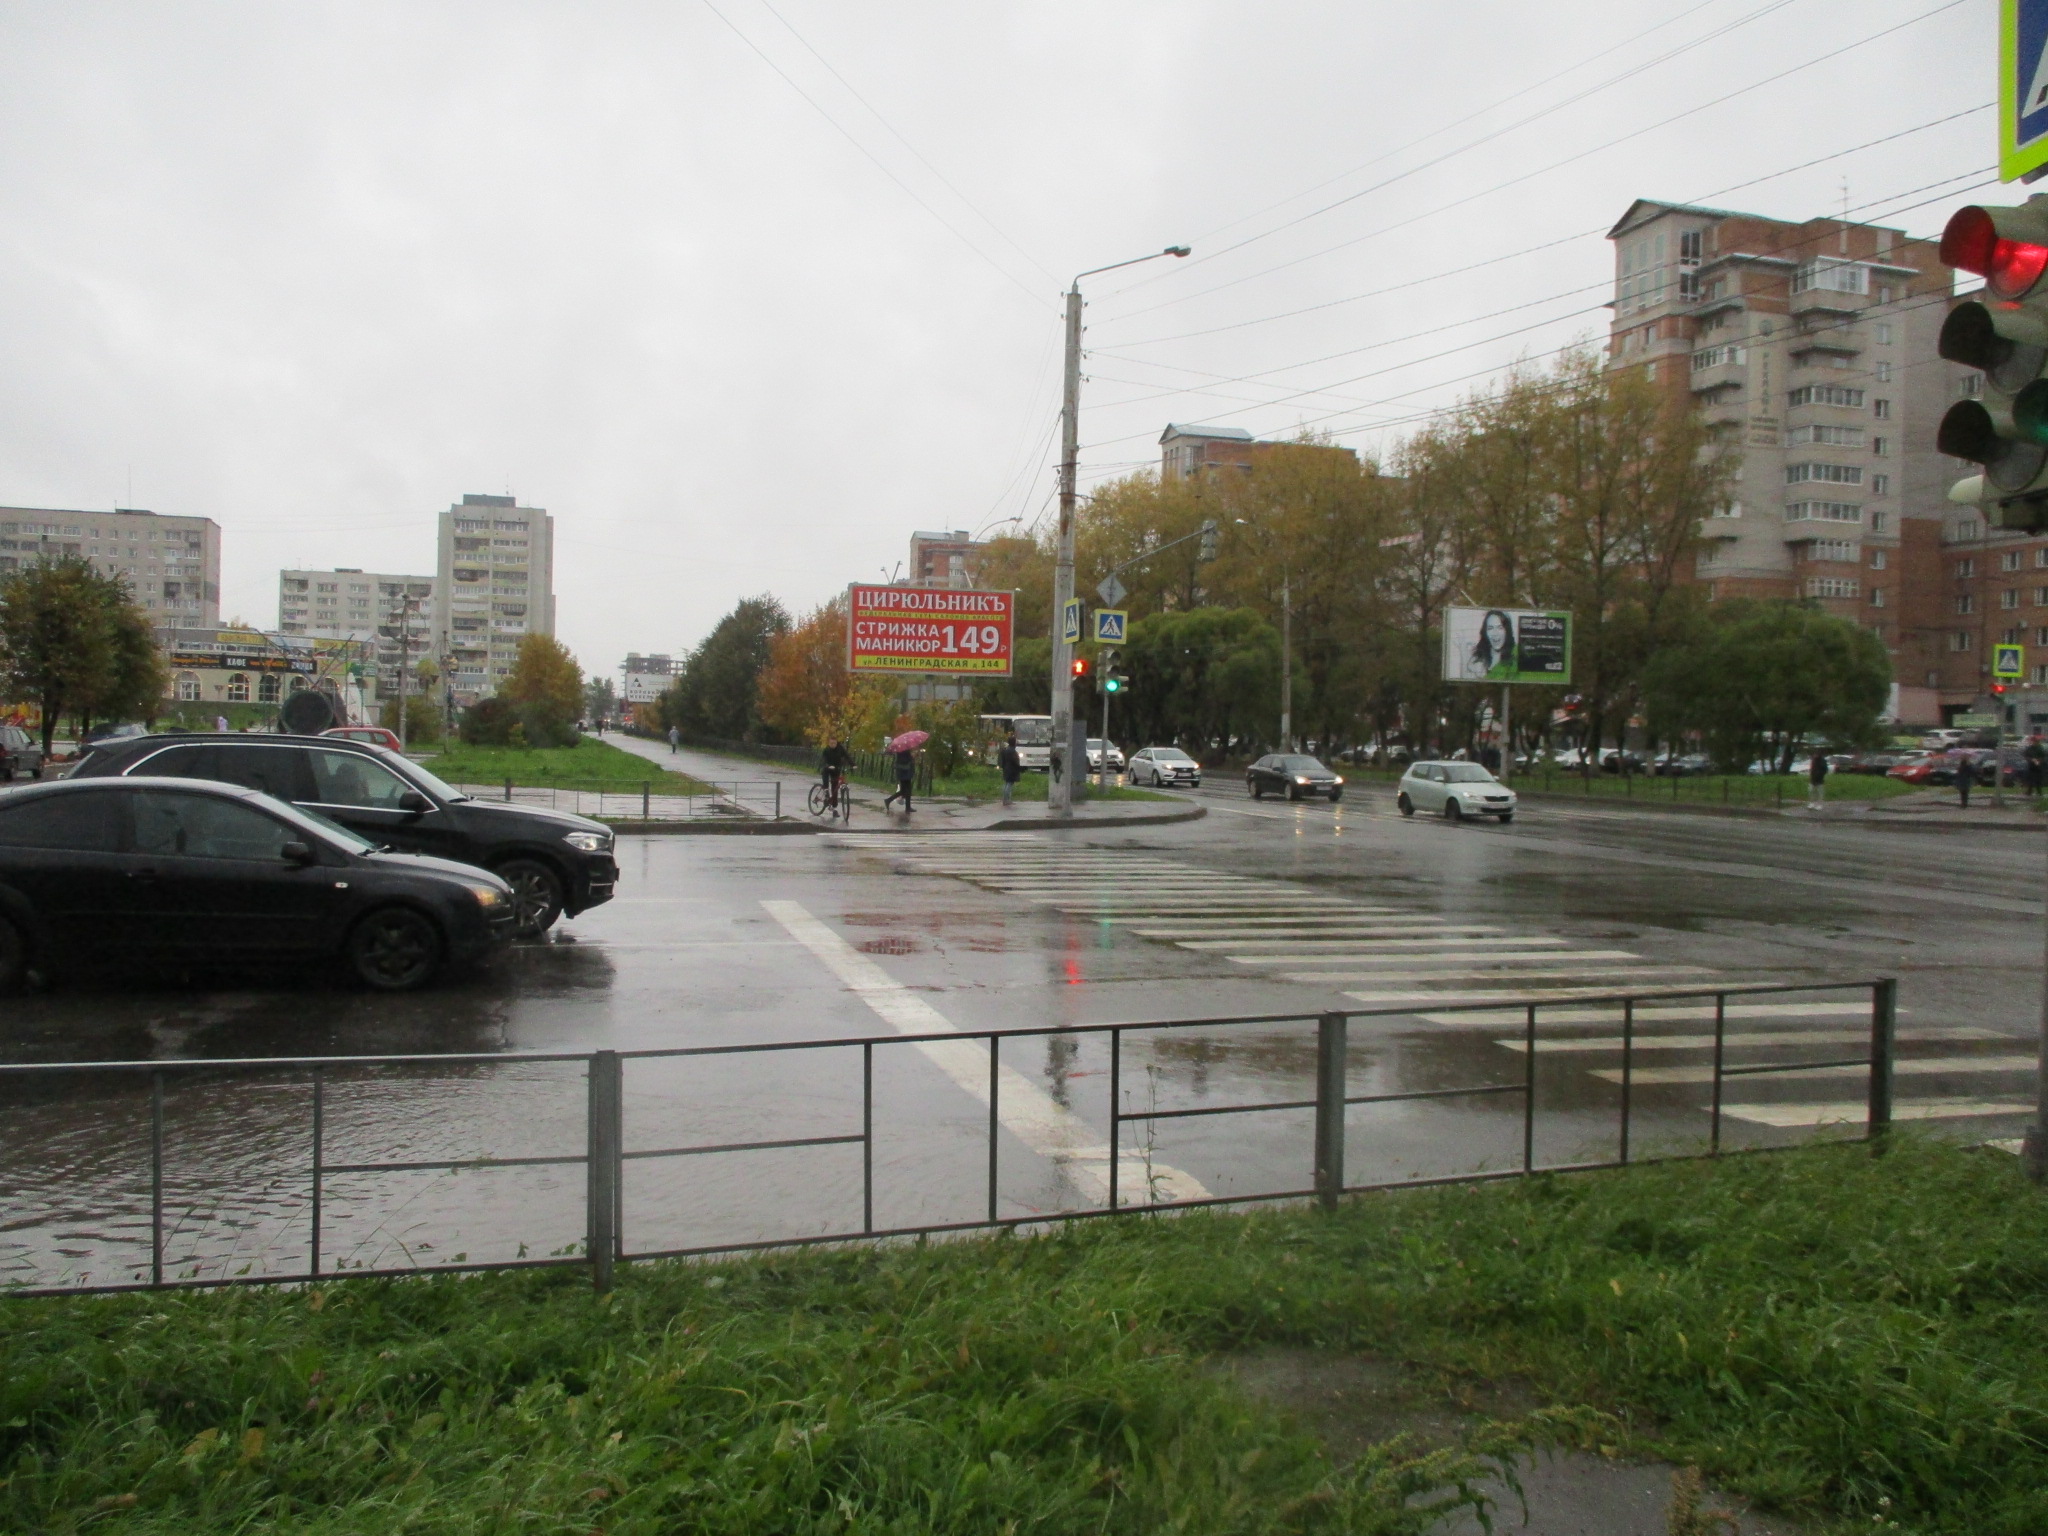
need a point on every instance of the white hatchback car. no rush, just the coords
(1457, 790)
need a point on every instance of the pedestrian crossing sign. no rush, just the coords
(1070, 622)
(1109, 625)
(2022, 89)
(2009, 662)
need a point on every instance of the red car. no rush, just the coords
(375, 735)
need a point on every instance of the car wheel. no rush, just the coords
(1293, 792)
(1404, 804)
(1252, 787)
(1336, 795)
(1506, 817)
(536, 895)
(395, 949)
(1452, 810)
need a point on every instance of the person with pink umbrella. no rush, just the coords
(905, 747)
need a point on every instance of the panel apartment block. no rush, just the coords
(171, 564)
(494, 583)
(390, 616)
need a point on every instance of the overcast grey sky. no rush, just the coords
(743, 293)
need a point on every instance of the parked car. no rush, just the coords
(1457, 790)
(375, 735)
(1682, 765)
(1925, 768)
(173, 871)
(1293, 775)
(1162, 766)
(1943, 739)
(114, 731)
(1098, 749)
(21, 755)
(555, 863)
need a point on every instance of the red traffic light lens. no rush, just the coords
(1998, 687)
(1080, 666)
(2010, 268)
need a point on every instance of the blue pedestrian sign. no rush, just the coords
(1109, 625)
(2022, 89)
(1070, 622)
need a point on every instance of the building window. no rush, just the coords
(1833, 474)
(1825, 511)
(1966, 602)
(1965, 569)
(238, 689)
(1832, 586)
(1881, 446)
(1880, 485)
(1877, 597)
(1831, 549)
(1883, 329)
(1715, 357)
(2009, 561)
(1878, 520)
(1882, 373)
(1881, 409)
(1832, 276)
(266, 689)
(1836, 437)
(188, 688)
(2009, 598)
(1826, 394)
(1877, 559)
(1960, 640)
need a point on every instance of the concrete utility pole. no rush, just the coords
(1059, 794)
(1286, 662)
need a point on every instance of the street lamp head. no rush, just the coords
(1177, 250)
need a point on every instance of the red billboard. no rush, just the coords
(929, 629)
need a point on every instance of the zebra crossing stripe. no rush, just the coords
(1653, 1013)
(1334, 946)
(1925, 1066)
(1505, 960)
(1806, 1117)
(1744, 1040)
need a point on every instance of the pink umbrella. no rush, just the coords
(910, 741)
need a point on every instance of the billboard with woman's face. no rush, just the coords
(1507, 645)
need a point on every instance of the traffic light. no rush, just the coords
(2006, 337)
(1080, 667)
(1211, 534)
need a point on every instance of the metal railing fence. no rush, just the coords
(609, 799)
(606, 1154)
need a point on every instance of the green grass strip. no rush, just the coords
(590, 764)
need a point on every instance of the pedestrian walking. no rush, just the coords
(1966, 779)
(2035, 755)
(220, 723)
(675, 739)
(1011, 765)
(1817, 782)
(906, 775)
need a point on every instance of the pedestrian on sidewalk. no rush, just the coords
(906, 775)
(1966, 778)
(1817, 782)
(675, 739)
(2035, 755)
(1011, 765)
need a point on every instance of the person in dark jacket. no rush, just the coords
(1011, 766)
(1817, 782)
(906, 775)
(1966, 779)
(2035, 756)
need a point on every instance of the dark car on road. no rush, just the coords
(555, 863)
(174, 872)
(21, 755)
(1293, 775)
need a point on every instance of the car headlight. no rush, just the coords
(1340, 778)
(588, 842)
(1301, 778)
(487, 896)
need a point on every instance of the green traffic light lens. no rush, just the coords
(2030, 413)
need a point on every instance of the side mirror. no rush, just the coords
(298, 855)
(413, 803)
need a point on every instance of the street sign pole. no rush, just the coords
(1059, 793)
(1507, 731)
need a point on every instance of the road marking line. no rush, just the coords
(1742, 1040)
(1592, 973)
(1361, 943)
(1933, 1066)
(1812, 1116)
(1025, 1109)
(1651, 1013)
(1450, 947)
(1506, 959)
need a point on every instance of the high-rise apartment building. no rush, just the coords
(1810, 347)
(494, 582)
(391, 617)
(171, 564)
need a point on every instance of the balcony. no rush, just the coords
(1823, 303)
(1826, 344)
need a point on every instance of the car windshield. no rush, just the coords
(1035, 732)
(1466, 773)
(1301, 765)
(1170, 755)
(413, 773)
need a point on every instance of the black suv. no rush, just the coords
(554, 862)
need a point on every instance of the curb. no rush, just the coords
(1148, 819)
(713, 828)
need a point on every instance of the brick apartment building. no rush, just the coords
(1810, 347)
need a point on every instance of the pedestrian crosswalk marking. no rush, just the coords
(1654, 1013)
(1918, 1066)
(1507, 959)
(1738, 1040)
(1806, 1117)
(1306, 945)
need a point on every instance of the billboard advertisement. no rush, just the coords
(1507, 645)
(934, 630)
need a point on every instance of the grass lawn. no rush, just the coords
(1859, 1339)
(590, 764)
(1705, 789)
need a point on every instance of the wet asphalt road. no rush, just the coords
(1257, 909)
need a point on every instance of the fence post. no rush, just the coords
(1884, 1018)
(156, 1178)
(508, 791)
(644, 791)
(1330, 1085)
(605, 1143)
(778, 799)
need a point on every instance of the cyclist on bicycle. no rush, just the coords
(836, 761)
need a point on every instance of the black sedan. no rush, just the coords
(180, 873)
(1293, 775)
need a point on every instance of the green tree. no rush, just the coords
(136, 679)
(73, 640)
(1756, 679)
(545, 691)
(1205, 679)
(719, 691)
(600, 699)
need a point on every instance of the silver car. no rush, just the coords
(1456, 790)
(1161, 766)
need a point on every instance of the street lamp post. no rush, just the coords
(1059, 795)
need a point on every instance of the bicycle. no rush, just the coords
(832, 799)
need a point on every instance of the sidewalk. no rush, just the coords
(1934, 810)
(930, 815)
